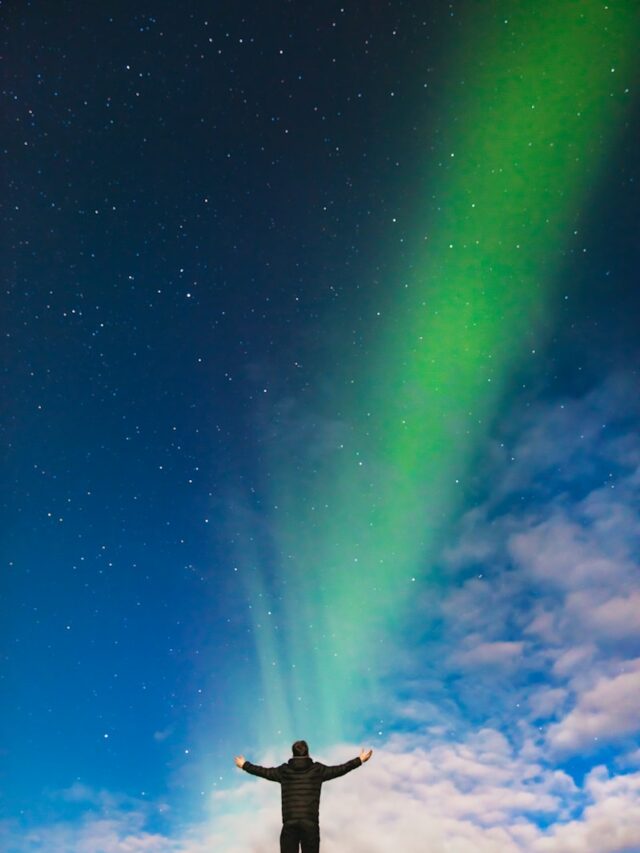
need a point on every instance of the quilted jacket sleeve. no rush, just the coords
(339, 769)
(270, 773)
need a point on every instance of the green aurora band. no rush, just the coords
(356, 514)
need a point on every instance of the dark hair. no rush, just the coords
(300, 747)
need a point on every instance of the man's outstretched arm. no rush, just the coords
(270, 773)
(341, 769)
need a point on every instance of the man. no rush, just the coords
(301, 780)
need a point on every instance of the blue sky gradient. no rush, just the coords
(196, 230)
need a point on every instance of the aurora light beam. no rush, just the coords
(544, 96)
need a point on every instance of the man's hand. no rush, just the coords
(365, 756)
(239, 760)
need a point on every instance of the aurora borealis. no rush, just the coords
(355, 527)
(321, 422)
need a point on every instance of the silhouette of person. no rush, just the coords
(301, 780)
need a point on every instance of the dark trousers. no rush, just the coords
(296, 832)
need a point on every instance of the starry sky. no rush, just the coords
(320, 420)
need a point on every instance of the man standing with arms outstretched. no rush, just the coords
(301, 780)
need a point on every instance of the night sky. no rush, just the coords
(320, 420)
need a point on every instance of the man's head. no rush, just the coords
(300, 747)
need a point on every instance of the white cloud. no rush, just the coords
(545, 702)
(572, 660)
(462, 796)
(549, 586)
(608, 711)
(465, 797)
(610, 824)
(615, 618)
(123, 832)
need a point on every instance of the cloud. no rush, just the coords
(607, 711)
(545, 447)
(163, 734)
(546, 702)
(610, 824)
(94, 833)
(614, 618)
(490, 654)
(548, 593)
(415, 794)
(559, 553)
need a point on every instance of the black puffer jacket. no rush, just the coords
(301, 780)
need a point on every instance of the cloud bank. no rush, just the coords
(479, 795)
